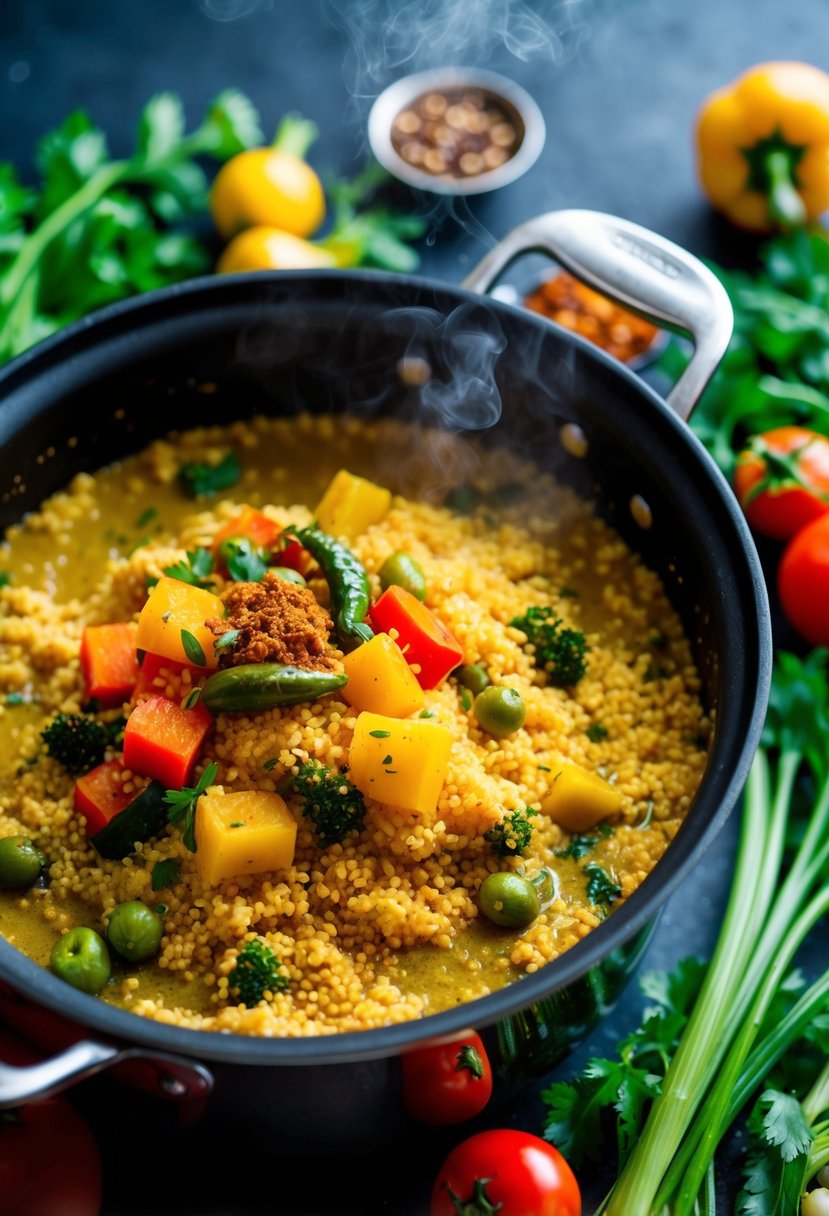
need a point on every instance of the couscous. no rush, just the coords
(402, 721)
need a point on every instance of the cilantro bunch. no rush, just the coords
(100, 229)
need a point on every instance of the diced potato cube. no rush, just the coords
(578, 800)
(400, 763)
(174, 607)
(351, 504)
(380, 680)
(242, 833)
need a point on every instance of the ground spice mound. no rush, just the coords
(278, 622)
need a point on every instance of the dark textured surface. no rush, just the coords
(619, 85)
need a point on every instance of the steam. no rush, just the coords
(225, 11)
(389, 39)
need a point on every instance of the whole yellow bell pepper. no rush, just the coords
(763, 146)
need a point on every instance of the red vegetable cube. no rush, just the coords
(100, 795)
(428, 646)
(162, 740)
(110, 668)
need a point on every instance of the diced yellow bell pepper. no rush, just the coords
(578, 800)
(380, 680)
(351, 504)
(400, 763)
(174, 606)
(242, 833)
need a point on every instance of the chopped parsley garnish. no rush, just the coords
(582, 843)
(388, 760)
(206, 480)
(182, 805)
(245, 563)
(330, 801)
(146, 517)
(427, 713)
(596, 732)
(5, 578)
(165, 874)
(257, 974)
(512, 835)
(78, 742)
(380, 734)
(270, 764)
(558, 650)
(196, 570)
(192, 648)
(602, 890)
(227, 641)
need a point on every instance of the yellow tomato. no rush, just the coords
(267, 186)
(264, 248)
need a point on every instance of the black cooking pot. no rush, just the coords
(370, 343)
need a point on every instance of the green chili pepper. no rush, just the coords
(347, 582)
(253, 687)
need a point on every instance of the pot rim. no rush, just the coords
(719, 789)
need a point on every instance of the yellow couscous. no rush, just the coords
(385, 924)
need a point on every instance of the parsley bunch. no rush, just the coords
(99, 229)
(512, 834)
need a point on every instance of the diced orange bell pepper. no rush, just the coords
(248, 832)
(110, 668)
(252, 524)
(100, 796)
(402, 764)
(173, 611)
(380, 679)
(162, 740)
(428, 646)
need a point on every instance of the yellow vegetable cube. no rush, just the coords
(380, 679)
(174, 606)
(400, 763)
(351, 504)
(243, 833)
(578, 800)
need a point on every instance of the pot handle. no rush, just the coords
(177, 1078)
(637, 268)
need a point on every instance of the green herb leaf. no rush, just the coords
(160, 128)
(192, 699)
(601, 888)
(380, 734)
(559, 651)
(270, 764)
(227, 641)
(192, 648)
(245, 563)
(195, 571)
(5, 578)
(596, 732)
(182, 805)
(232, 125)
(206, 480)
(165, 874)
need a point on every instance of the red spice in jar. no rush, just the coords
(456, 133)
(569, 302)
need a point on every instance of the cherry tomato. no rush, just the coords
(803, 582)
(505, 1171)
(782, 480)
(49, 1161)
(449, 1082)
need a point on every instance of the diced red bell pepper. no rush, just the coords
(251, 523)
(100, 796)
(292, 555)
(110, 668)
(151, 668)
(428, 646)
(162, 740)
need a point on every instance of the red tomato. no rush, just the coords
(49, 1161)
(803, 582)
(449, 1082)
(782, 480)
(505, 1171)
(428, 646)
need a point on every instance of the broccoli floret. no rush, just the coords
(257, 974)
(558, 650)
(78, 742)
(512, 835)
(333, 804)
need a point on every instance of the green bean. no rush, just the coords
(347, 583)
(253, 687)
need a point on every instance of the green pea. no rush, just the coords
(81, 958)
(472, 676)
(288, 575)
(401, 570)
(134, 931)
(228, 548)
(20, 863)
(500, 711)
(509, 900)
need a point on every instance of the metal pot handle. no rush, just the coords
(641, 270)
(177, 1078)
